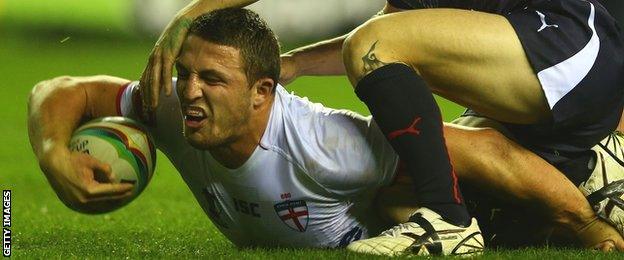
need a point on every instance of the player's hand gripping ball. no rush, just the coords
(123, 144)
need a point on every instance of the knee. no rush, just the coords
(354, 49)
(363, 51)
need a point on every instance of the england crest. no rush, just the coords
(293, 213)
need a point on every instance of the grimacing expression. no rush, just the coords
(214, 93)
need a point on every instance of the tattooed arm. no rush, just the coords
(318, 59)
(157, 74)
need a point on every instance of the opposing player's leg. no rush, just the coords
(405, 111)
(393, 203)
(380, 57)
(486, 159)
(603, 185)
(472, 58)
(382, 71)
(478, 60)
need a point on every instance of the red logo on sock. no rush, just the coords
(411, 129)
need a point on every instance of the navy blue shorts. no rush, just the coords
(576, 50)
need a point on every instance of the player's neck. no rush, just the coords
(235, 154)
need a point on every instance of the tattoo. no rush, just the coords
(179, 31)
(371, 62)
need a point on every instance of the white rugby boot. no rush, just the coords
(604, 188)
(426, 233)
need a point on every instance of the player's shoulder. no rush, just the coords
(314, 126)
(331, 146)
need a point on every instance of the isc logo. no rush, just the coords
(246, 207)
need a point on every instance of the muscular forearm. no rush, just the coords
(58, 105)
(318, 59)
(54, 109)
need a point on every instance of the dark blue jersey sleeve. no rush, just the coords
(489, 6)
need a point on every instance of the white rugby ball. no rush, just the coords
(123, 144)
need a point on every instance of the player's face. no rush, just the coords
(214, 93)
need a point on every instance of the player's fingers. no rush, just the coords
(144, 87)
(599, 235)
(113, 197)
(619, 245)
(102, 172)
(108, 190)
(105, 175)
(154, 87)
(102, 167)
(606, 246)
(145, 93)
(166, 73)
(172, 44)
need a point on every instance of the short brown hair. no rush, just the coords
(245, 30)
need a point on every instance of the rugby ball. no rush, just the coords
(123, 144)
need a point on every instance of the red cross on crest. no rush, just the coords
(293, 213)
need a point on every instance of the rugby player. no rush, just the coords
(556, 98)
(268, 168)
(536, 84)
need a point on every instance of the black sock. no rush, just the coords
(406, 112)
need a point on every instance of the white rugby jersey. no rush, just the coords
(309, 183)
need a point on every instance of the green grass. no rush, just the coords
(165, 221)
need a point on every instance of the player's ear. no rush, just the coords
(263, 90)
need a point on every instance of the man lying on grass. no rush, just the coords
(272, 169)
